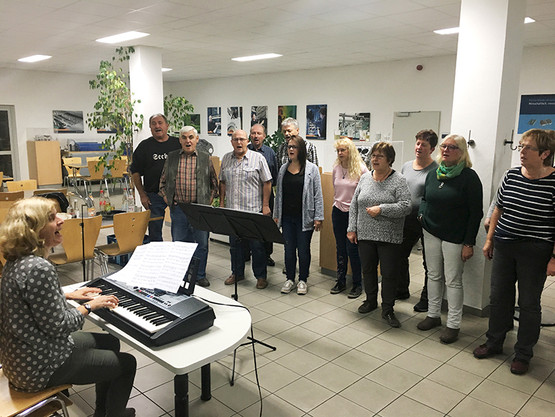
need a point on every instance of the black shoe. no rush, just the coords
(402, 295)
(391, 319)
(203, 282)
(270, 261)
(367, 307)
(421, 306)
(355, 292)
(337, 288)
(284, 271)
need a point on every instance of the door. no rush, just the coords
(8, 141)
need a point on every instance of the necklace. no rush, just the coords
(344, 172)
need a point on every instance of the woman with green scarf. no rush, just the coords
(450, 214)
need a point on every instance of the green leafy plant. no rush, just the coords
(275, 140)
(178, 111)
(115, 109)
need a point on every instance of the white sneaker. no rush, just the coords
(287, 287)
(302, 288)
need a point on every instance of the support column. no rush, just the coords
(145, 73)
(485, 100)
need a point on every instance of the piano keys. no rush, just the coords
(153, 317)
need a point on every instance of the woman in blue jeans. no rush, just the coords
(299, 210)
(40, 346)
(345, 175)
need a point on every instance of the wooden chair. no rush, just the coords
(21, 185)
(73, 245)
(73, 173)
(7, 199)
(118, 172)
(37, 404)
(130, 229)
(95, 174)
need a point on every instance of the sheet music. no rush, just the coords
(160, 265)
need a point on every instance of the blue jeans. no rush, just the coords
(346, 251)
(157, 209)
(259, 259)
(182, 231)
(96, 359)
(296, 241)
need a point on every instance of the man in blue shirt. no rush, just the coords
(257, 136)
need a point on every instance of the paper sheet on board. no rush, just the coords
(160, 265)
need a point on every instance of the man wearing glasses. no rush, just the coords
(245, 184)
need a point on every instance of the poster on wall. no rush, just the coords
(235, 119)
(259, 115)
(537, 111)
(195, 121)
(68, 121)
(316, 118)
(214, 121)
(286, 111)
(356, 126)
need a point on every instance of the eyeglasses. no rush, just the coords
(239, 139)
(450, 147)
(377, 156)
(292, 147)
(526, 148)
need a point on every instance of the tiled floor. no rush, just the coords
(332, 361)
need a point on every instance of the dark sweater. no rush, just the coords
(452, 209)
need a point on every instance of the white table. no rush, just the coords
(230, 329)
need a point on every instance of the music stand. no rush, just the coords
(242, 225)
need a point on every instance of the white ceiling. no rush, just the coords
(198, 38)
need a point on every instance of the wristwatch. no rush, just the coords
(88, 307)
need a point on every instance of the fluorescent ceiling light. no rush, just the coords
(122, 37)
(255, 57)
(34, 58)
(451, 31)
(167, 69)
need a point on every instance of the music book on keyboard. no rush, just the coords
(148, 309)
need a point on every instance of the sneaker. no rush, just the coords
(519, 366)
(302, 288)
(270, 261)
(429, 323)
(449, 335)
(484, 351)
(203, 282)
(288, 286)
(337, 288)
(391, 319)
(368, 306)
(421, 306)
(355, 292)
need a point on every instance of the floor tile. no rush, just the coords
(416, 363)
(333, 377)
(455, 378)
(339, 406)
(393, 377)
(500, 396)
(473, 407)
(435, 395)
(358, 362)
(407, 407)
(370, 395)
(304, 394)
(536, 407)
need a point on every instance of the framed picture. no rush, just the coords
(536, 112)
(286, 111)
(235, 119)
(259, 115)
(355, 126)
(214, 121)
(316, 120)
(68, 121)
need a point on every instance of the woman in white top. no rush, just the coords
(345, 175)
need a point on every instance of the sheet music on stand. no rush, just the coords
(160, 265)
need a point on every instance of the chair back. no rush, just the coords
(7, 200)
(72, 162)
(21, 185)
(95, 173)
(72, 233)
(93, 158)
(130, 229)
(120, 167)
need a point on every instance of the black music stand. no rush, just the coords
(242, 225)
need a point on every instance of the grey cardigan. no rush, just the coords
(313, 201)
(392, 196)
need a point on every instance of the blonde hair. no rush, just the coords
(19, 232)
(354, 162)
(461, 143)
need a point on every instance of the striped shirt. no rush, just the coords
(528, 207)
(244, 180)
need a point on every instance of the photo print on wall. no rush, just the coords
(286, 111)
(259, 115)
(68, 121)
(214, 121)
(316, 119)
(355, 126)
(235, 119)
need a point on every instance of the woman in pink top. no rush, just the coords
(346, 172)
